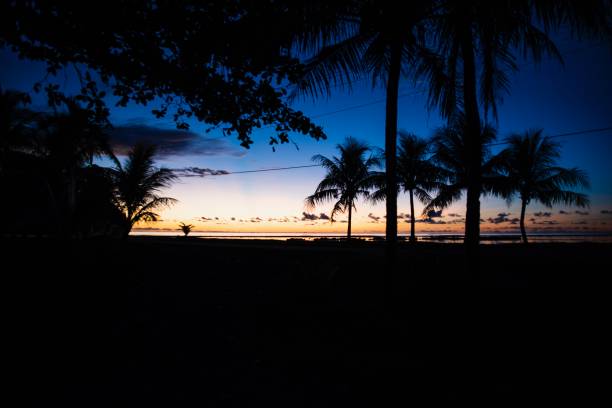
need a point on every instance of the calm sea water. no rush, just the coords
(493, 238)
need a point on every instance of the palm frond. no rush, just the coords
(335, 65)
(320, 197)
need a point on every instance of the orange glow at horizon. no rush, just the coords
(267, 203)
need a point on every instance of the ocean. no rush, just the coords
(486, 238)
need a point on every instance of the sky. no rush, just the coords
(558, 98)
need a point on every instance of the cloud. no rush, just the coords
(280, 219)
(454, 215)
(545, 222)
(542, 214)
(582, 212)
(430, 220)
(456, 221)
(373, 217)
(170, 142)
(434, 214)
(309, 217)
(581, 222)
(503, 218)
(205, 219)
(563, 212)
(198, 172)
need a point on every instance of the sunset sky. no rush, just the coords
(557, 98)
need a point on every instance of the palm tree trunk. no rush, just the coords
(350, 216)
(391, 147)
(55, 206)
(72, 191)
(126, 230)
(127, 227)
(523, 232)
(474, 148)
(412, 221)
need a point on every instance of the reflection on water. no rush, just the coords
(443, 238)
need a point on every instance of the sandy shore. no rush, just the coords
(166, 321)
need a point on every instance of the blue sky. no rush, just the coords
(558, 98)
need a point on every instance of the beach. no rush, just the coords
(242, 323)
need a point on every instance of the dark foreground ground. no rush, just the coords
(174, 322)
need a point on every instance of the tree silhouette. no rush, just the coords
(69, 140)
(451, 154)
(15, 122)
(207, 61)
(348, 177)
(137, 184)
(417, 174)
(382, 40)
(532, 174)
(479, 41)
(186, 228)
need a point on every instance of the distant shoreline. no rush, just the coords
(434, 237)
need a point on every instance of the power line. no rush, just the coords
(270, 169)
(582, 132)
(417, 92)
(575, 133)
(420, 91)
(363, 105)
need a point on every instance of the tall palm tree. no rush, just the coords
(382, 40)
(137, 185)
(348, 177)
(451, 154)
(480, 40)
(417, 174)
(532, 174)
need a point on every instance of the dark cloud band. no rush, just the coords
(170, 142)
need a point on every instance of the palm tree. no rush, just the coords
(348, 177)
(532, 174)
(451, 154)
(137, 185)
(483, 37)
(380, 40)
(417, 175)
(186, 228)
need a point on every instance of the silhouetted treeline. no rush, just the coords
(51, 185)
(434, 170)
